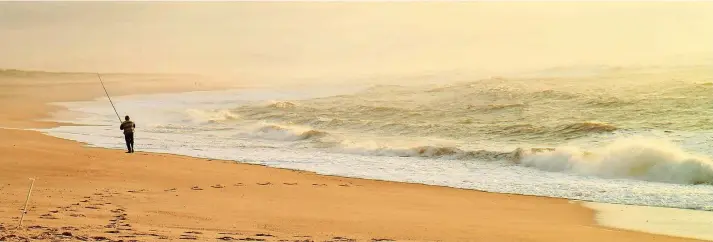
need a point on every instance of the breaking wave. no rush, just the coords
(282, 105)
(288, 133)
(212, 116)
(428, 151)
(636, 158)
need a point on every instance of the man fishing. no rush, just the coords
(128, 127)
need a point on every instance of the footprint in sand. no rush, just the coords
(170, 190)
(381, 240)
(342, 239)
(321, 185)
(264, 184)
(192, 232)
(47, 216)
(217, 186)
(196, 188)
(289, 184)
(188, 237)
(118, 210)
(251, 239)
(69, 228)
(239, 184)
(100, 238)
(77, 215)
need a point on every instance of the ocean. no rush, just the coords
(625, 135)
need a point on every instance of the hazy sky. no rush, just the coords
(290, 39)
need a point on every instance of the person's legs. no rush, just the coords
(127, 138)
(131, 142)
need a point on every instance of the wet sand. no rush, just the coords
(99, 194)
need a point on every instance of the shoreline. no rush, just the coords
(689, 223)
(412, 212)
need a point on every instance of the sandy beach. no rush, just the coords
(91, 194)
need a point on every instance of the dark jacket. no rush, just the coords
(128, 127)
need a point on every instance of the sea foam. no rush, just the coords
(636, 158)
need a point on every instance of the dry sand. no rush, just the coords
(93, 194)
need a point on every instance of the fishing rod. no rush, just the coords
(107, 95)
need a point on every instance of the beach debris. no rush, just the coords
(27, 201)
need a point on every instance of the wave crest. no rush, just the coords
(212, 116)
(282, 105)
(287, 133)
(640, 159)
(429, 151)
